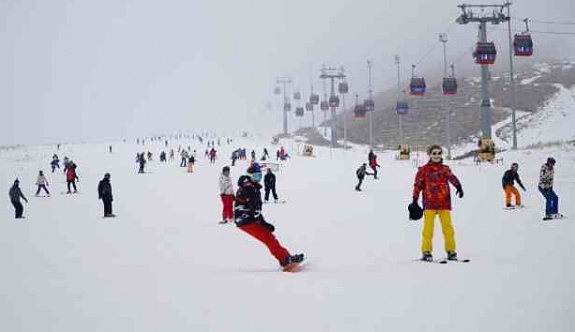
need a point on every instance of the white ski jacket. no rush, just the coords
(226, 186)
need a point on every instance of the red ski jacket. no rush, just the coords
(432, 179)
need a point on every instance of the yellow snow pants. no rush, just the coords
(429, 225)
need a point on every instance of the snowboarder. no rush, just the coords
(432, 180)
(105, 194)
(249, 219)
(270, 185)
(372, 158)
(360, 173)
(509, 178)
(15, 193)
(227, 195)
(42, 183)
(546, 189)
(213, 153)
(71, 176)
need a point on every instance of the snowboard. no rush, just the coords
(295, 267)
(445, 261)
(514, 207)
(556, 216)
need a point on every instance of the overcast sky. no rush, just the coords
(108, 69)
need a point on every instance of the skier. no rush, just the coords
(213, 153)
(546, 189)
(509, 178)
(372, 158)
(266, 154)
(270, 184)
(191, 162)
(142, 162)
(249, 219)
(105, 194)
(55, 163)
(432, 180)
(360, 173)
(71, 176)
(15, 193)
(227, 195)
(163, 156)
(253, 155)
(42, 183)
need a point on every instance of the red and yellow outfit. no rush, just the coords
(432, 179)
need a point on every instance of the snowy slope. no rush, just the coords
(165, 263)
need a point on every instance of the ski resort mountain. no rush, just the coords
(536, 86)
(165, 263)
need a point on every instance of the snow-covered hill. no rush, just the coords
(166, 264)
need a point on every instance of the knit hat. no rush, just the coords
(551, 161)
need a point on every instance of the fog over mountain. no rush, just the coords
(94, 70)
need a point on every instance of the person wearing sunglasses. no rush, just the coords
(432, 180)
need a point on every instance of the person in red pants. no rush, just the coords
(249, 219)
(227, 195)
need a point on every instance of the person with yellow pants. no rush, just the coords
(432, 180)
(508, 181)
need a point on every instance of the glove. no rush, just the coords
(267, 225)
(459, 192)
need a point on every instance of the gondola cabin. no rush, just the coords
(308, 106)
(296, 95)
(314, 99)
(449, 85)
(369, 105)
(299, 111)
(417, 86)
(324, 105)
(277, 90)
(333, 101)
(401, 108)
(343, 87)
(523, 45)
(485, 53)
(359, 111)
(287, 107)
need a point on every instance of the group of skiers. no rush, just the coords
(244, 206)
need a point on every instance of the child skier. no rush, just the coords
(71, 176)
(249, 219)
(432, 179)
(42, 183)
(509, 178)
(227, 195)
(360, 173)
(546, 189)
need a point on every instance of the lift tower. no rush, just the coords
(332, 74)
(495, 17)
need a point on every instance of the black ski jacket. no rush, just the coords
(248, 202)
(105, 190)
(270, 180)
(509, 177)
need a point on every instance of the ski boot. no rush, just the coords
(451, 256)
(427, 256)
(548, 217)
(297, 258)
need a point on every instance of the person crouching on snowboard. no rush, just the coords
(432, 179)
(249, 219)
(509, 178)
